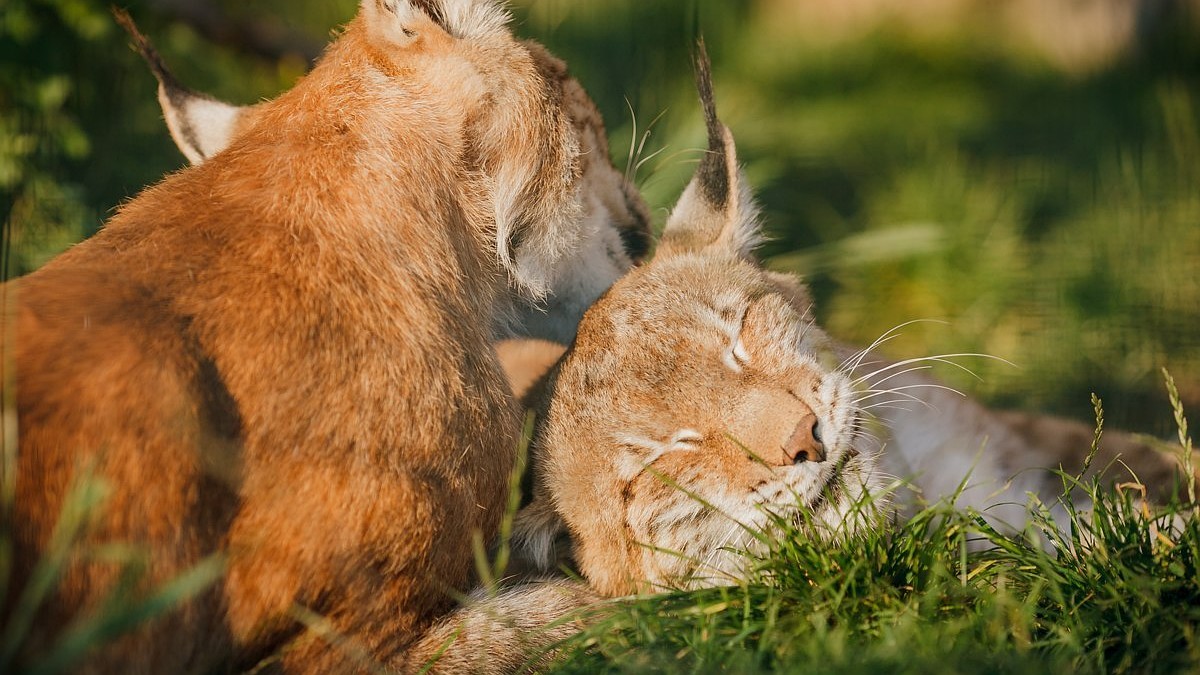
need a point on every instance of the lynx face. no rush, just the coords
(707, 406)
(698, 406)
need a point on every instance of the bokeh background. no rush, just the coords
(1024, 172)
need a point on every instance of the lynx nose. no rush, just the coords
(804, 445)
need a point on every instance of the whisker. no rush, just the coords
(891, 332)
(899, 373)
(632, 138)
(647, 158)
(710, 560)
(638, 160)
(872, 393)
(930, 385)
(892, 405)
(937, 358)
(908, 398)
(673, 155)
(864, 363)
(861, 354)
(901, 390)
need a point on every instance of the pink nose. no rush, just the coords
(804, 445)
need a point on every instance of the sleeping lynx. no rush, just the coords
(699, 399)
(699, 404)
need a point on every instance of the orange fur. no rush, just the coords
(283, 355)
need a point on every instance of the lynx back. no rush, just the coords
(282, 357)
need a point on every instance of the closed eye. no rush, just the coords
(685, 439)
(736, 357)
(739, 352)
(631, 463)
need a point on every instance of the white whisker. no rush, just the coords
(647, 158)
(898, 374)
(872, 393)
(638, 159)
(888, 335)
(663, 162)
(892, 405)
(632, 138)
(930, 385)
(938, 358)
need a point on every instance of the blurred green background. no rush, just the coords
(1026, 172)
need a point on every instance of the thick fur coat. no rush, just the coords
(283, 355)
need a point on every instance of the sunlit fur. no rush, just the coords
(998, 463)
(664, 462)
(600, 233)
(282, 356)
(661, 447)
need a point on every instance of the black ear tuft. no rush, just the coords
(433, 9)
(146, 49)
(713, 174)
(200, 125)
(715, 211)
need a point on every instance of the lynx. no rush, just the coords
(700, 402)
(282, 356)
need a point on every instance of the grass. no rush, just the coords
(940, 593)
(129, 604)
(1050, 217)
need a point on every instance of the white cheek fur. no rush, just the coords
(629, 463)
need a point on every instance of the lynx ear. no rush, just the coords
(716, 209)
(401, 22)
(201, 126)
(397, 22)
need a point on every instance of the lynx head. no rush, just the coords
(698, 406)
(561, 221)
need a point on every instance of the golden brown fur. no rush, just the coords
(283, 355)
(697, 403)
(513, 630)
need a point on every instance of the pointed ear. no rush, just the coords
(793, 289)
(398, 22)
(716, 210)
(403, 22)
(200, 125)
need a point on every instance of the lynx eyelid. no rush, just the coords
(737, 356)
(686, 438)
